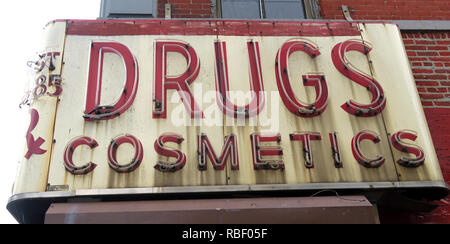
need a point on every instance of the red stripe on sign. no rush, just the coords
(210, 27)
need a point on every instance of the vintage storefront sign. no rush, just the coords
(158, 104)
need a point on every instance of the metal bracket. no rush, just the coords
(347, 13)
(57, 187)
(168, 11)
(312, 9)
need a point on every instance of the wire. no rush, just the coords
(337, 195)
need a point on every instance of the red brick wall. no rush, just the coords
(439, 119)
(387, 9)
(429, 55)
(186, 8)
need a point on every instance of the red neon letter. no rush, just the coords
(336, 150)
(166, 166)
(258, 151)
(95, 111)
(341, 63)
(68, 154)
(34, 146)
(284, 84)
(163, 82)
(223, 86)
(229, 151)
(364, 161)
(306, 138)
(408, 148)
(112, 153)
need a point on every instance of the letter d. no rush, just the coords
(94, 110)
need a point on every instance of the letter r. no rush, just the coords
(163, 82)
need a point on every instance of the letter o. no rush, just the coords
(112, 153)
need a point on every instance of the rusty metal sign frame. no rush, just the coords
(111, 28)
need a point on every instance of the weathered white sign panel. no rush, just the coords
(173, 106)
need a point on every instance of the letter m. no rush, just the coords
(229, 150)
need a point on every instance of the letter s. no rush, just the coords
(378, 102)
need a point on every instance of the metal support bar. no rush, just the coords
(262, 9)
(168, 10)
(347, 13)
(312, 9)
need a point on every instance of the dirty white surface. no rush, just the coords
(22, 23)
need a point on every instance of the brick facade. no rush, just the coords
(387, 9)
(186, 8)
(438, 121)
(429, 55)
